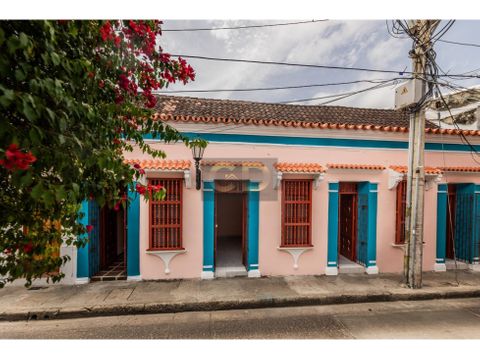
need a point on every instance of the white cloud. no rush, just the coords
(340, 43)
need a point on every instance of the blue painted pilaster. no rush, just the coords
(253, 223)
(372, 228)
(82, 252)
(208, 226)
(332, 248)
(133, 234)
(441, 223)
(476, 222)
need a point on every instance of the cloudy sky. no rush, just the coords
(333, 42)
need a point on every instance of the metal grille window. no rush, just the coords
(166, 216)
(400, 212)
(296, 213)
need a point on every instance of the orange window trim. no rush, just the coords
(296, 213)
(401, 205)
(165, 216)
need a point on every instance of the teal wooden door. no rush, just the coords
(94, 238)
(362, 228)
(464, 223)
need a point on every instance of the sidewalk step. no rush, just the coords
(230, 271)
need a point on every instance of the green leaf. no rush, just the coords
(28, 111)
(61, 138)
(7, 97)
(26, 180)
(55, 58)
(62, 124)
(76, 188)
(37, 191)
(34, 136)
(20, 75)
(23, 40)
(2, 36)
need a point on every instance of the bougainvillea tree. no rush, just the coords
(74, 97)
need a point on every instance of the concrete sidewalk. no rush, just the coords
(122, 297)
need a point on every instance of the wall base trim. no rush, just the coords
(331, 271)
(81, 281)
(474, 267)
(254, 273)
(134, 278)
(206, 275)
(440, 267)
(372, 270)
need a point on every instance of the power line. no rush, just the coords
(208, 58)
(459, 43)
(373, 81)
(315, 66)
(245, 26)
(341, 95)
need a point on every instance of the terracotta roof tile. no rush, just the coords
(461, 168)
(256, 164)
(299, 167)
(356, 166)
(428, 169)
(157, 164)
(234, 112)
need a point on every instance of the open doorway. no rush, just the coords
(460, 229)
(230, 228)
(352, 218)
(347, 234)
(112, 245)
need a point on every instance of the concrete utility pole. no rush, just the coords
(422, 29)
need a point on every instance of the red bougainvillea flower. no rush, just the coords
(89, 228)
(141, 189)
(141, 171)
(106, 31)
(28, 248)
(15, 159)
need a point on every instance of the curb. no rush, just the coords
(164, 308)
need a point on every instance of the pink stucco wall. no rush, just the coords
(275, 262)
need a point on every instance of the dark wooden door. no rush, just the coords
(348, 209)
(451, 211)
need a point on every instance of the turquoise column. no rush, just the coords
(372, 229)
(332, 247)
(82, 252)
(476, 229)
(253, 222)
(133, 234)
(441, 227)
(208, 229)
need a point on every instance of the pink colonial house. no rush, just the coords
(286, 190)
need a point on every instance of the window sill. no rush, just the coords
(150, 251)
(166, 255)
(402, 246)
(286, 247)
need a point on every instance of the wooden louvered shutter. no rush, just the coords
(296, 213)
(400, 212)
(166, 216)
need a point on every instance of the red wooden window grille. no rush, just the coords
(296, 213)
(400, 212)
(166, 216)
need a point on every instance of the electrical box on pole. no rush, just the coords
(408, 94)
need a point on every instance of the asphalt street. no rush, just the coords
(433, 319)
